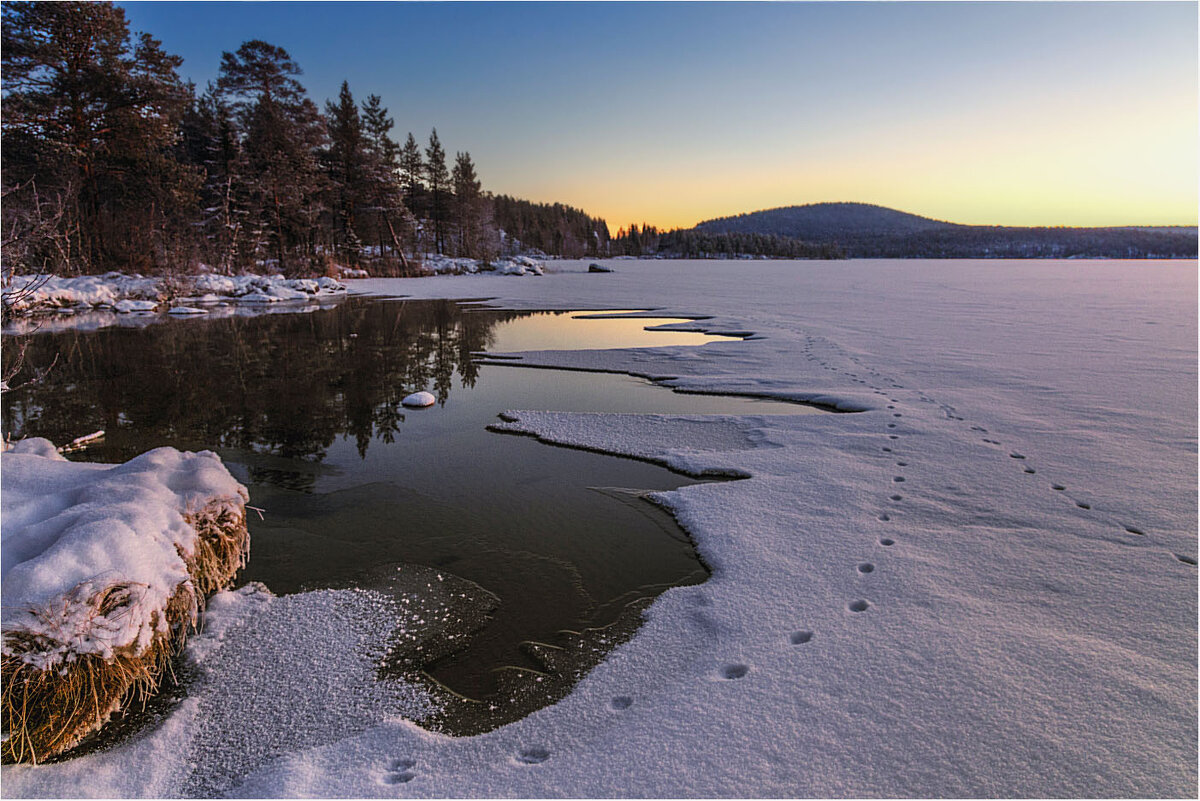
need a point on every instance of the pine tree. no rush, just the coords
(468, 200)
(438, 179)
(347, 163)
(385, 179)
(412, 174)
(209, 141)
(377, 126)
(89, 116)
(281, 131)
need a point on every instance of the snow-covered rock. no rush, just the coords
(419, 399)
(127, 306)
(72, 529)
(184, 311)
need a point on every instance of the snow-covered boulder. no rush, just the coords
(215, 284)
(419, 399)
(104, 568)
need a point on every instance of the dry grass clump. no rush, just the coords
(48, 709)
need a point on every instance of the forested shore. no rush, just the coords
(112, 161)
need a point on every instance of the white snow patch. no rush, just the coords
(511, 265)
(72, 529)
(127, 306)
(419, 399)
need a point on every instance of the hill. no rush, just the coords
(860, 230)
(820, 221)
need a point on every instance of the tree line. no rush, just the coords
(692, 243)
(112, 162)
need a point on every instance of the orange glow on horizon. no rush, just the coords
(1032, 165)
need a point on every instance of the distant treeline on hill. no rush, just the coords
(860, 230)
(696, 244)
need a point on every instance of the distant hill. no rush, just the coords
(821, 221)
(861, 230)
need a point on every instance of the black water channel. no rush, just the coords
(555, 550)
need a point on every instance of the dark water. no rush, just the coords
(305, 410)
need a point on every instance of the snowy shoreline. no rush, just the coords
(984, 585)
(135, 294)
(48, 302)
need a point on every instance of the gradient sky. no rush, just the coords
(670, 113)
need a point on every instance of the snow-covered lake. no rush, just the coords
(984, 585)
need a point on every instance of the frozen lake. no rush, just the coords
(982, 585)
(305, 410)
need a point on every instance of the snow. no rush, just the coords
(127, 306)
(125, 293)
(510, 265)
(419, 399)
(975, 587)
(73, 529)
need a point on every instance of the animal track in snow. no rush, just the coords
(800, 637)
(1135, 530)
(400, 771)
(885, 517)
(886, 449)
(621, 702)
(886, 541)
(902, 464)
(898, 479)
(896, 497)
(532, 756)
(1015, 455)
(858, 606)
(1187, 560)
(1029, 470)
(1083, 505)
(891, 425)
(866, 567)
(735, 670)
(1058, 487)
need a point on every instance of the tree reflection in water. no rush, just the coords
(283, 385)
(537, 538)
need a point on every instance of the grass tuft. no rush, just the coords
(49, 709)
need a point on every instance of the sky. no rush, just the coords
(1076, 113)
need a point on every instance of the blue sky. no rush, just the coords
(1017, 113)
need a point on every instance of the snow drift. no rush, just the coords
(105, 567)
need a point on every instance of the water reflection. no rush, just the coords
(305, 410)
(284, 385)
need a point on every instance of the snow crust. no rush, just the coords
(270, 675)
(73, 529)
(982, 585)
